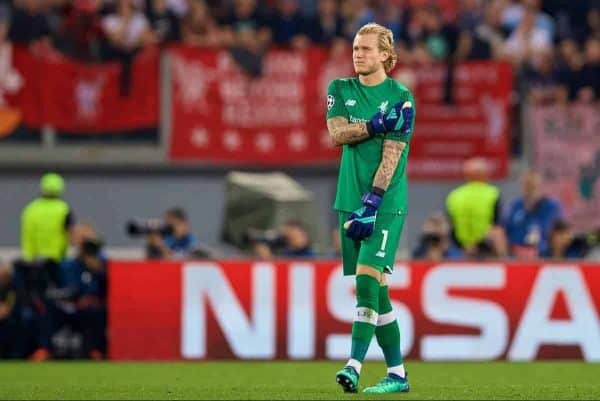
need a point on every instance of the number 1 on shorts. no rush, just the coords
(384, 241)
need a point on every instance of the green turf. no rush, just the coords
(292, 380)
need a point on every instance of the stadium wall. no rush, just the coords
(107, 200)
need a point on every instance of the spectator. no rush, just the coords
(127, 31)
(297, 241)
(8, 318)
(470, 15)
(383, 12)
(530, 218)
(290, 241)
(592, 27)
(33, 280)
(81, 34)
(198, 27)
(248, 27)
(434, 243)
(163, 22)
(29, 23)
(542, 78)
(288, 25)
(590, 73)
(564, 244)
(427, 30)
(474, 211)
(526, 39)
(82, 304)
(514, 14)
(180, 243)
(569, 71)
(10, 79)
(327, 26)
(490, 35)
(46, 222)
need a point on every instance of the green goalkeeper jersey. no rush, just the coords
(348, 98)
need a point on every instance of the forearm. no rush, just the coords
(392, 151)
(342, 132)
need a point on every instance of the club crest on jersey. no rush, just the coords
(330, 101)
(383, 106)
(350, 102)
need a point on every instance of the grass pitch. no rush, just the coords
(292, 380)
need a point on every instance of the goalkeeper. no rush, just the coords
(372, 116)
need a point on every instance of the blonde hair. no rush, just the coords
(385, 39)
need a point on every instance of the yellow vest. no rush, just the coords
(471, 208)
(43, 233)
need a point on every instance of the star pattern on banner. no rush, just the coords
(200, 137)
(264, 142)
(297, 140)
(232, 140)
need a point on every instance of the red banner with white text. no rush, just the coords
(219, 115)
(77, 97)
(304, 310)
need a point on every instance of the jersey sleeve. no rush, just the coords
(397, 135)
(335, 103)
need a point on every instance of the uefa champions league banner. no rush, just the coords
(77, 97)
(219, 115)
(567, 153)
(304, 310)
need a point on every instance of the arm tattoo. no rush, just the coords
(392, 150)
(342, 132)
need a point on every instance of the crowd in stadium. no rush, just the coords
(554, 43)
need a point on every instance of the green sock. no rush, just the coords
(388, 333)
(365, 320)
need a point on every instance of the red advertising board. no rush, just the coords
(85, 98)
(219, 115)
(303, 310)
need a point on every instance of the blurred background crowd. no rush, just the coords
(555, 44)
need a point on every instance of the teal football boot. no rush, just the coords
(348, 379)
(390, 384)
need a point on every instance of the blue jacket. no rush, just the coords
(526, 227)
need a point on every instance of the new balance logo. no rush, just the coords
(393, 114)
(350, 102)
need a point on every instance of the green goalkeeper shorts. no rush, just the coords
(377, 251)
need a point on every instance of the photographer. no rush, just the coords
(81, 298)
(170, 238)
(33, 281)
(290, 241)
(8, 318)
(434, 243)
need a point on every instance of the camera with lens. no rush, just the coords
(431, 240)
(91, 247)
(136, 228)
(270, 237)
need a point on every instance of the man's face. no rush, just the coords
(366, 55)
(530, 185)
(295, 236)
(180, 227)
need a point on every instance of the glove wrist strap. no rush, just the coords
(371, 199)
